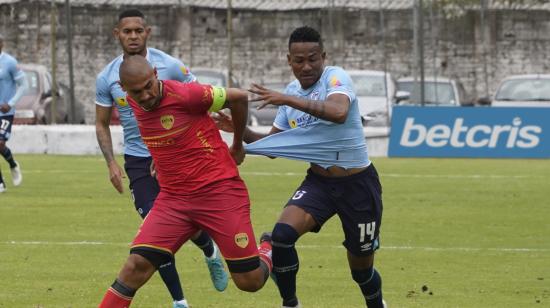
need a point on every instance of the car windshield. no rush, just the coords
(32, 80)
(435, 93)
(210, 78)
(535, 89)
(368, 85)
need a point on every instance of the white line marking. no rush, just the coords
(464, 249)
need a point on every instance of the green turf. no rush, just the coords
(475, 233)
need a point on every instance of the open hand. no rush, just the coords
(267, 96)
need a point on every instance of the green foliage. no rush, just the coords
(456, 233)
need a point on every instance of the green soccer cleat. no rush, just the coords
(217, 270)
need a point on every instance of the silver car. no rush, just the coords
(523, 91)
(438, 91)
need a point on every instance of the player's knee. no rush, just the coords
(362, 276)
(248, 282)
(284, 235)
(145, 257)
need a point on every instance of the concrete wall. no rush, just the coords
(517, 41)
(81, 140)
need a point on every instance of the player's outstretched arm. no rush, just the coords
(237, 102)
(103, 134)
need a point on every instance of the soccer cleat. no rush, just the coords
(16, 175)
(2, 187)
(297, 306)
(181, 304)
(384, 304)
(217, 270)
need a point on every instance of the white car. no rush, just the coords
(523, 91)
(438, 91)
(376, 93)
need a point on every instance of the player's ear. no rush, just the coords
(155, 71)
(323, 55)
(288, 58)
(116, 31)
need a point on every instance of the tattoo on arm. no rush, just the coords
(106, 145)
(315, 108)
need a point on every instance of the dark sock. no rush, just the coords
(9, 158)
(371, 286)
(205, 243)
(169, 275)
(1, 179)
(285, 262)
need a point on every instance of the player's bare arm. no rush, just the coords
(237, 102)
(103, 134)
(335, 108)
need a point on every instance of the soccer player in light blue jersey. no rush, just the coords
(318, 121)
(132, 32)
(12, 86)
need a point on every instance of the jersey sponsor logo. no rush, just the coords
(121, 101)
(241, 239)
(167, 121)
(334, 82)
(206, 146)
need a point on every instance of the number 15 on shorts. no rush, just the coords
(367, 230)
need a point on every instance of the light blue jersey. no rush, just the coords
(109, 93)
(10, 76)
(317, 141)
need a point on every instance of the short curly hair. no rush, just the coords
(305, 34)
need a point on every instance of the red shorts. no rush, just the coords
(223, 211)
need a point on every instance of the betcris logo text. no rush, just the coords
(470, 132)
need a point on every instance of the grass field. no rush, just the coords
(471, 233)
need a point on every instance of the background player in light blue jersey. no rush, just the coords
(132, 33)
(318, 121)
(12, 86)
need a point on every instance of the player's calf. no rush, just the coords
(370, 283)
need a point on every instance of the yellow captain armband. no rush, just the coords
(218, 98)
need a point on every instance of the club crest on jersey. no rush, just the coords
(314, 95)
(121, 101)
(167, 121)
(241, 239)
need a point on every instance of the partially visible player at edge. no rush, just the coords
(200, 182)
(12, 86)
(318, 121)
(132, 33)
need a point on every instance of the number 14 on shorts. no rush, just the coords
(367, 229)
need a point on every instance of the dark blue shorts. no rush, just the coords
(356, 199)
(143, 186)
(5, 127)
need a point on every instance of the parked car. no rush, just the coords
(521, 91)
(376, 93)
(438, 91)
(214, 77)
(266, 115)
(34, 107)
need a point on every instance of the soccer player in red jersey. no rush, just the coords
(200, 183)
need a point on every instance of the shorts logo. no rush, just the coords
(167, 121)
(121, 101)
(241, 239)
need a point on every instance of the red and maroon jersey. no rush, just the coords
(184, 141)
